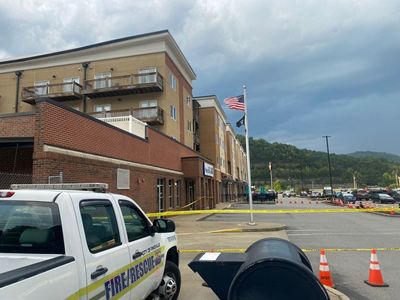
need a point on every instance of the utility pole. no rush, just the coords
(329, 163)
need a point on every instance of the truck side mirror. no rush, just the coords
(163, 225)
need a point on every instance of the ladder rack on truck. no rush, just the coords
(94, 187)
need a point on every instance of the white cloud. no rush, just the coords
(299, 58)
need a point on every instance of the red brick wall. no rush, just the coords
(17, 126)
(143, 182)
(64, 128)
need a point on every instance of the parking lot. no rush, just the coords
(311, 231)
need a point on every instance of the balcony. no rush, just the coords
(59, 91)
(149, 115)
(124, 85)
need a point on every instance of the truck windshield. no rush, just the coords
(30, 227)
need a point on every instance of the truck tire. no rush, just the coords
(170, 285)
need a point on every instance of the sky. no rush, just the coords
(311, 67)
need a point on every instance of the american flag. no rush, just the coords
(236, 102)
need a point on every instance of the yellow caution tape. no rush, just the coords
(242, 250)
(270, 211)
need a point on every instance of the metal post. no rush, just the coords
(329, 163)
(246, 129)
(270, 174)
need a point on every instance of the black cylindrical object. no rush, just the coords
(270, 269)
(275, 269)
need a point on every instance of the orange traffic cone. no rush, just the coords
(375, 275)
(392, 211)
(324, 273)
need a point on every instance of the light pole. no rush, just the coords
(329, 163)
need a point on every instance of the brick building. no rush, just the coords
(222, 147)
(119, 112)
(157, 171)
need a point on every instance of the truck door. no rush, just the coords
(145, 250)
(106, 257)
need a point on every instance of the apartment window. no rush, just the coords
(102, 80)
(148, 103)
(188, 98)
(189, 125)
(69, 86)
(178, 193)
(172, 81)
(103, 107)
(170, 193)
(173, 112)
(148, 75)
(160, 194)
(41, 87)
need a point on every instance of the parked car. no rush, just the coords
(395, 195)
(270, 195)
(327, 191)
(348, 198)
(315, 194)
(361, 195)
(382, 198)
(286, 194)
(79, 244)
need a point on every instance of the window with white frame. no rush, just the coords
(148, 75)
(178, 193)
(148, 103)
(102, 107)
(102, 80)
(172, 81)
(69, 86)
(41, 87)
(189, 125)
(173, 112)
(188, 100)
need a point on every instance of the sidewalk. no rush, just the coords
(195, 233)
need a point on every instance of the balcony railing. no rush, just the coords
(124, 85)
(150, 115)
(58, 91)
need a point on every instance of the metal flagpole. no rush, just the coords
(270, 174)
(246, 130)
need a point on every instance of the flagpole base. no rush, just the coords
(252, 223)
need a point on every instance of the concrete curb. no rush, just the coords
(211, 214)
(263, 229)
(337, 293)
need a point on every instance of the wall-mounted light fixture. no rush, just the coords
(54, 76)
(111, 69)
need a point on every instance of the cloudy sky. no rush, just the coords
(312, 67)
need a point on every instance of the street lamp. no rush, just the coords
(329, 163)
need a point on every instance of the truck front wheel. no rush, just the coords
(171, 283)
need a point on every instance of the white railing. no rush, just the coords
(128, 123)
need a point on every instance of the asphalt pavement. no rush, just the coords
(338, 230)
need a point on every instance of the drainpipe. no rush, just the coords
(85, 68)
(18, 74)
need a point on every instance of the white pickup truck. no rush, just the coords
(84, 245)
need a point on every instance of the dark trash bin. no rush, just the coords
(270, 269)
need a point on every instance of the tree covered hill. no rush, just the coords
(384, 155)
(303, 168)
